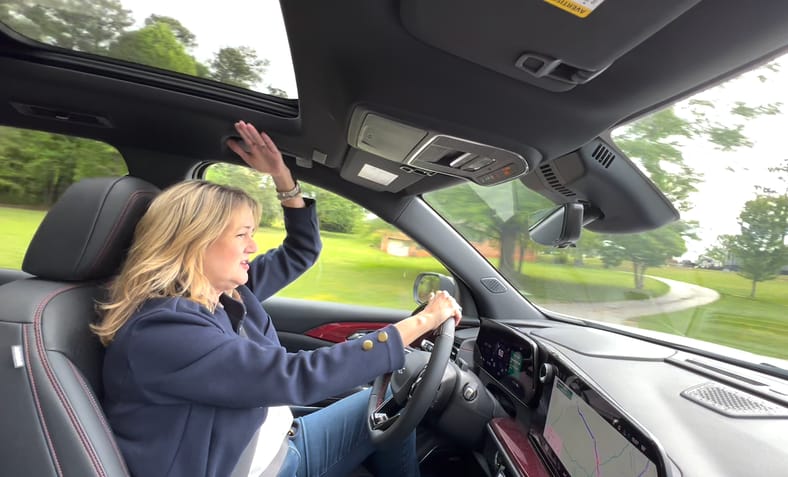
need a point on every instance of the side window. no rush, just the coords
(365, 261)
(35, 168)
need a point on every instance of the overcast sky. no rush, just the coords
(254, 23)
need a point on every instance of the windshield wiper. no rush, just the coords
(781, 372)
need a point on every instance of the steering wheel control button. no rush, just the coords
(383, 337)
(367, 345)
(469, 392)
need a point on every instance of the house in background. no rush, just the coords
(400, 245)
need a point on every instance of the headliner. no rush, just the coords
(359, 53)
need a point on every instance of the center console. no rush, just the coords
(561, 424)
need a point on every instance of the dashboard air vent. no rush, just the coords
(603, 155)
(733, 402)
(554, 182)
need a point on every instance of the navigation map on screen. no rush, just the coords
(586, 444)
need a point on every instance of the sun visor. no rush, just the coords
(554, 44)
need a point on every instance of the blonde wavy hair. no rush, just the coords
(166, 256)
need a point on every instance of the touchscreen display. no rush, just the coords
(588, 445)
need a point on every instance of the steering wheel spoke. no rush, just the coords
(390, 419)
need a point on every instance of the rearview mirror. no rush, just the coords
(559, 228)
(429, 282)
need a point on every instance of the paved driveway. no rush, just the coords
(680, 297)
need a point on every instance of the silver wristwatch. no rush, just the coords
(289, 194)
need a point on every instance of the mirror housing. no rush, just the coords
(561, 227)
(429, 282)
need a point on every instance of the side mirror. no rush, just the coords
(559, 228)
(429, 282)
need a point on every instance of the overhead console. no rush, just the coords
(420, 152)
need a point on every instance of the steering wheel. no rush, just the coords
(389, 421)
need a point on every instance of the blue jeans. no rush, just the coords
(334, 441)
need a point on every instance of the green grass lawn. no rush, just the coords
(18, 227)
(759, 325)
(728, 283)
(543, 282)
(351, 271)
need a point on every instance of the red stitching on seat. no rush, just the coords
(99, 414)
(58, 390)
(38, 403)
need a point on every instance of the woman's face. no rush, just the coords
(226, 260)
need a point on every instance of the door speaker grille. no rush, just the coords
(493, 285)
(733, 402)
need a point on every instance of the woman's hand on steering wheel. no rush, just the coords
(440, 307)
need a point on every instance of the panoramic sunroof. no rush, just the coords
(237, 42)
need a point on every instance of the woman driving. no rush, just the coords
(196, 382)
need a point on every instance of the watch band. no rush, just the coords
(289, 194)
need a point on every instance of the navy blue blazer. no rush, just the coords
(184, 391)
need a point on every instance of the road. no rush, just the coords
(681, 296)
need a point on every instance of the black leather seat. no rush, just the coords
(51, 423)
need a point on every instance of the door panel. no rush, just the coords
(295, 318)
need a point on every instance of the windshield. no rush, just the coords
(720, 274)
(248, 49)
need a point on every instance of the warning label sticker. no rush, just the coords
(578, 8)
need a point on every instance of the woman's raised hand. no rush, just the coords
(260, 152)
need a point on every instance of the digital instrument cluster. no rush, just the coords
(509, 359)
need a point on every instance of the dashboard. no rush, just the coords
(580, 401)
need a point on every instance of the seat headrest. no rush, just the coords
(86, 234)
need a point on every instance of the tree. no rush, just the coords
(84, 25)
(154, 45)
(277, 92)
(722, 251)
(36, 167)
(644, 250)
(237, 66)
(183, 34)
(589, 244)
(760, 248)
(259, 186)
(655, 142)
(334, 212)
(503, 213)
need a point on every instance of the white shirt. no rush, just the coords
(272, 432)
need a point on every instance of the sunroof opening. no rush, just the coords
(237, 42)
